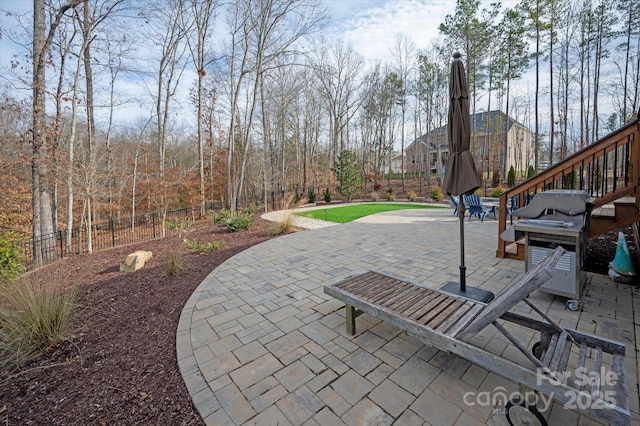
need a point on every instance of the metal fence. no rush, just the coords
(109, 234)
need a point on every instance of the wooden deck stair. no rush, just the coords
(608, 170)
(612, 216)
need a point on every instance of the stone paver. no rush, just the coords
(259, 342)
(391, 398)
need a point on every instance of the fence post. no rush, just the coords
(61, 246)
(153, 224)
(113, 235)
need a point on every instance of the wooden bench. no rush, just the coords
(449, 323)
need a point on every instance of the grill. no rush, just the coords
(557, 218)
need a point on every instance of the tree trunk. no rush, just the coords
(90, 157)
(551, 112)
(42, 224)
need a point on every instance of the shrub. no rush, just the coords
(311, 195)
(374, 196)
(34, 317)
(284, 226)
(220, 216)
(511, 177)
(389, 195)
(251, 209)
(296, 197)
(10, 257)
(239, 222)
(178, 226)
(498, 191)
(203, 247)
(531, 172)
(411, 196)
(570, 180)
(172, 263)
(326, 195)
(436, 193)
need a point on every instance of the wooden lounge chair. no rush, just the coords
(449, 323)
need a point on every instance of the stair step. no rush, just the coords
(512, 248)
(612, 216)
(608, 210)
(625, 201)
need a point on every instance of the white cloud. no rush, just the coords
(371, 26)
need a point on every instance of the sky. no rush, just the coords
(370, 26)
(7, 48)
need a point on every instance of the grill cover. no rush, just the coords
(557, 207)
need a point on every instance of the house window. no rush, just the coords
(413, 159)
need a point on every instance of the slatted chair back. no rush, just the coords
(513, 294)
(473, 203)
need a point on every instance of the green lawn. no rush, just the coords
(352, 212)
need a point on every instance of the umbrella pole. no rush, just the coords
(460, 288)
(463, 269)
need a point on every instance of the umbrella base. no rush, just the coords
(453, 287)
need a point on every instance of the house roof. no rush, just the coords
(482, 119)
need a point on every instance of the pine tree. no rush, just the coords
(348, 175)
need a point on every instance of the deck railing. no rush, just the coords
(606, 170)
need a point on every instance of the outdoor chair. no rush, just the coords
(451, 324)
(454, 204)
(514, 205)
(473, 203)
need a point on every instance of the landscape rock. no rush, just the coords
(135, 261)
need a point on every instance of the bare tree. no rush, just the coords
(513, 59)
(42, 225)
(201, 17)
(279, 91)
(533, 10)
(630, 83)
(338, 67)
(604, 20)
(261, 32)
(432, 93)
(171, 36)
(94, 14)
(117, 48)
(403, 57)
(63, 44)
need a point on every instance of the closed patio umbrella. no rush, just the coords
(461, 176)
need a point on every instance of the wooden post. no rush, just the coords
(113, 233)
(350, 316)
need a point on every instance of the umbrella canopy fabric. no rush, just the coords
(461, 175)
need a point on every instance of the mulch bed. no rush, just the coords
(119, 365)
